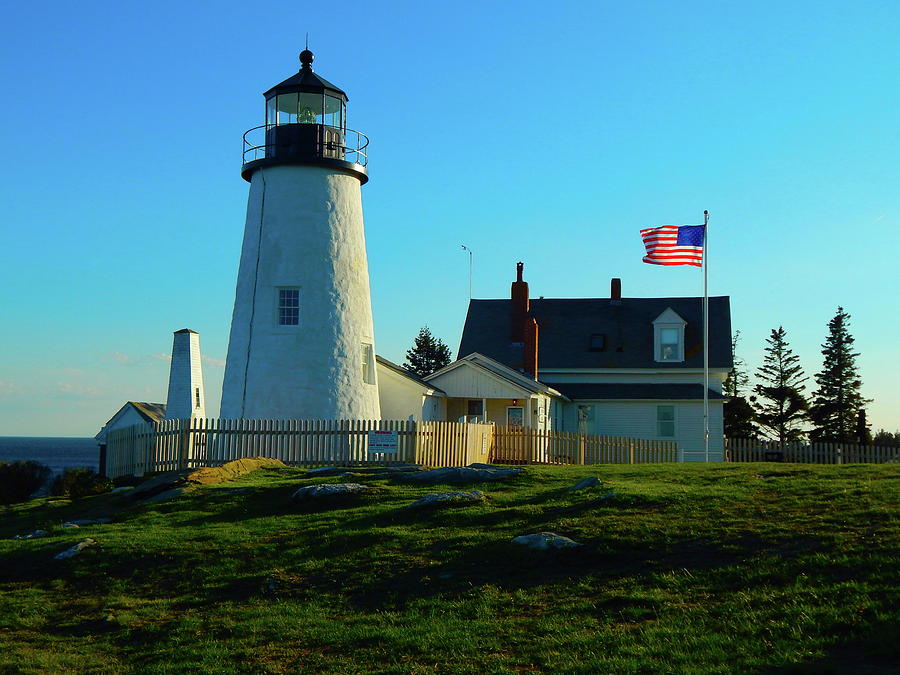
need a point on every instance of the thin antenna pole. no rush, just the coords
(466, 248)
(706, 335)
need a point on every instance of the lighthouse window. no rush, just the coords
(288, 307)
(287, 109)
(333, 111)
(310, 111)
(368, 370)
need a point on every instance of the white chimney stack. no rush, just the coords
(186, 397)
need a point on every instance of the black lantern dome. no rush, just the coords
(306, 123)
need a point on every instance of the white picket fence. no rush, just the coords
(182, 444)
(751, 450)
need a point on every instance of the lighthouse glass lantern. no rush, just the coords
(306, 119)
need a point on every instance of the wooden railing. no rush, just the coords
(749, 450)
(518, 445)
(182, 444)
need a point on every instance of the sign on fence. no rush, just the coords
(382, 442)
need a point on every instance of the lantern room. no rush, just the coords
(306, 98)
(305, 123)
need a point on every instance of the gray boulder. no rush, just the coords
(37, 534)
(589, 482)
(449, 499)
(375, 471)
(544, 541)
(75, 550)
(459, 475)
(328, 490)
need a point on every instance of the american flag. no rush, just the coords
(674, 244)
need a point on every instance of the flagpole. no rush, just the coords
(706, 335)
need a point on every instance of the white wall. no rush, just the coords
(637, 419)
(401, 398)
(304, 230)
(470, 382)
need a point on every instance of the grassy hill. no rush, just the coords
(720, 568)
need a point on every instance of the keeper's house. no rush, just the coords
(614, 366)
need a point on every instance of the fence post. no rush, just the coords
(581, 441)
(184, 443)
(839, 454)
(631, 452)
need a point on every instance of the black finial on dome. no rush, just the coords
(306, 58)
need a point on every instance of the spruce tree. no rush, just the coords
(737, 411)
(427, 355)
(837, 401)
(781, 405)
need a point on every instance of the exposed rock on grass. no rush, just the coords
(458, 475)
(374, 471)
(76, 549)
(544, 541)
(449, 499)
(591, 481)
(328, 490)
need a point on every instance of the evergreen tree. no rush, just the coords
(781, 405)
(837, 401)
(737, 411)
(428, 354)
(885, 437)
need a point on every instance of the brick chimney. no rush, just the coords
(530, 352)
(518, 307)
(615, 291)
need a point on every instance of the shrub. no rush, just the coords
(20, 480)
(78, 483)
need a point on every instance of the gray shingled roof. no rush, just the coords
(617, 391)
(566, 325)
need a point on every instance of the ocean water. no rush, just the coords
(57, 453)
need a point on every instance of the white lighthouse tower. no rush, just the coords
(302, 343)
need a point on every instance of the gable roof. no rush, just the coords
(565, 327)
(149, 412)
(497, 370)
(408, 374)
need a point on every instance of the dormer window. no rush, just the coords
(668, 337)
(597, 342)
(669, 344)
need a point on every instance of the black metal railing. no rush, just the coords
(331, 143)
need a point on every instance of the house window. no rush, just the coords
(668, 337)
(665, 421)
(368, 370)
(288, 307)
(197, 397)
(669, 344)
(598, 342)
(475, 408)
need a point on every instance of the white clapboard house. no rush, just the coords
(613, 366)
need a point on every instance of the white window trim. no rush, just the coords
(368, 365)
(668, 319)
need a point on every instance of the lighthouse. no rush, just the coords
(302, 343)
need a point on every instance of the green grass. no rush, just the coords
(691, 568)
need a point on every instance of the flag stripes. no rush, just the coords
(674, 245)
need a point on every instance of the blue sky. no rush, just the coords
(544, 133)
